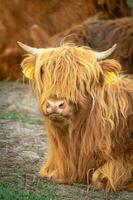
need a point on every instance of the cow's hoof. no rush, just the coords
(99, 180)
(46, 172)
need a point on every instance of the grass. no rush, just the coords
(16, 116)
(25, 186)
(7, 192)
(22, 186)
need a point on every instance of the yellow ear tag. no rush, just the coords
(110, 78)
(28, 71)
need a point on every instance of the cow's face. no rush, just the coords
(65, 79)
(64, 83)
(62, 90)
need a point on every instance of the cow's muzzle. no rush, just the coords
(56, 110)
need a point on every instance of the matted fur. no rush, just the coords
(97, 146)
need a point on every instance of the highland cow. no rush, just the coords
(100, 35)
(87, 106)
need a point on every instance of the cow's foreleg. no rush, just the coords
(114, 175)
(47, 169)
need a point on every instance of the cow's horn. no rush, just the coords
(105, 54)
(31, 50)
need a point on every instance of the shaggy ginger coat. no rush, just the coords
(97, 146)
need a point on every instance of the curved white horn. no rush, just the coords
(105, 54)
(33, 51)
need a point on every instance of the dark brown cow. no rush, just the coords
(20, 18)
(100, 35)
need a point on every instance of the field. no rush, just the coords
(23, 147)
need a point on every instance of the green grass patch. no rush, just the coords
(24, 186)
(16, 116)
(8, 192)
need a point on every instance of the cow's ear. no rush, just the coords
(111, 69)
(28, 66)
(110, 65)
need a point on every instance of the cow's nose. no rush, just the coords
(55, 106)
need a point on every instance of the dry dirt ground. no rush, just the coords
(23, 147)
